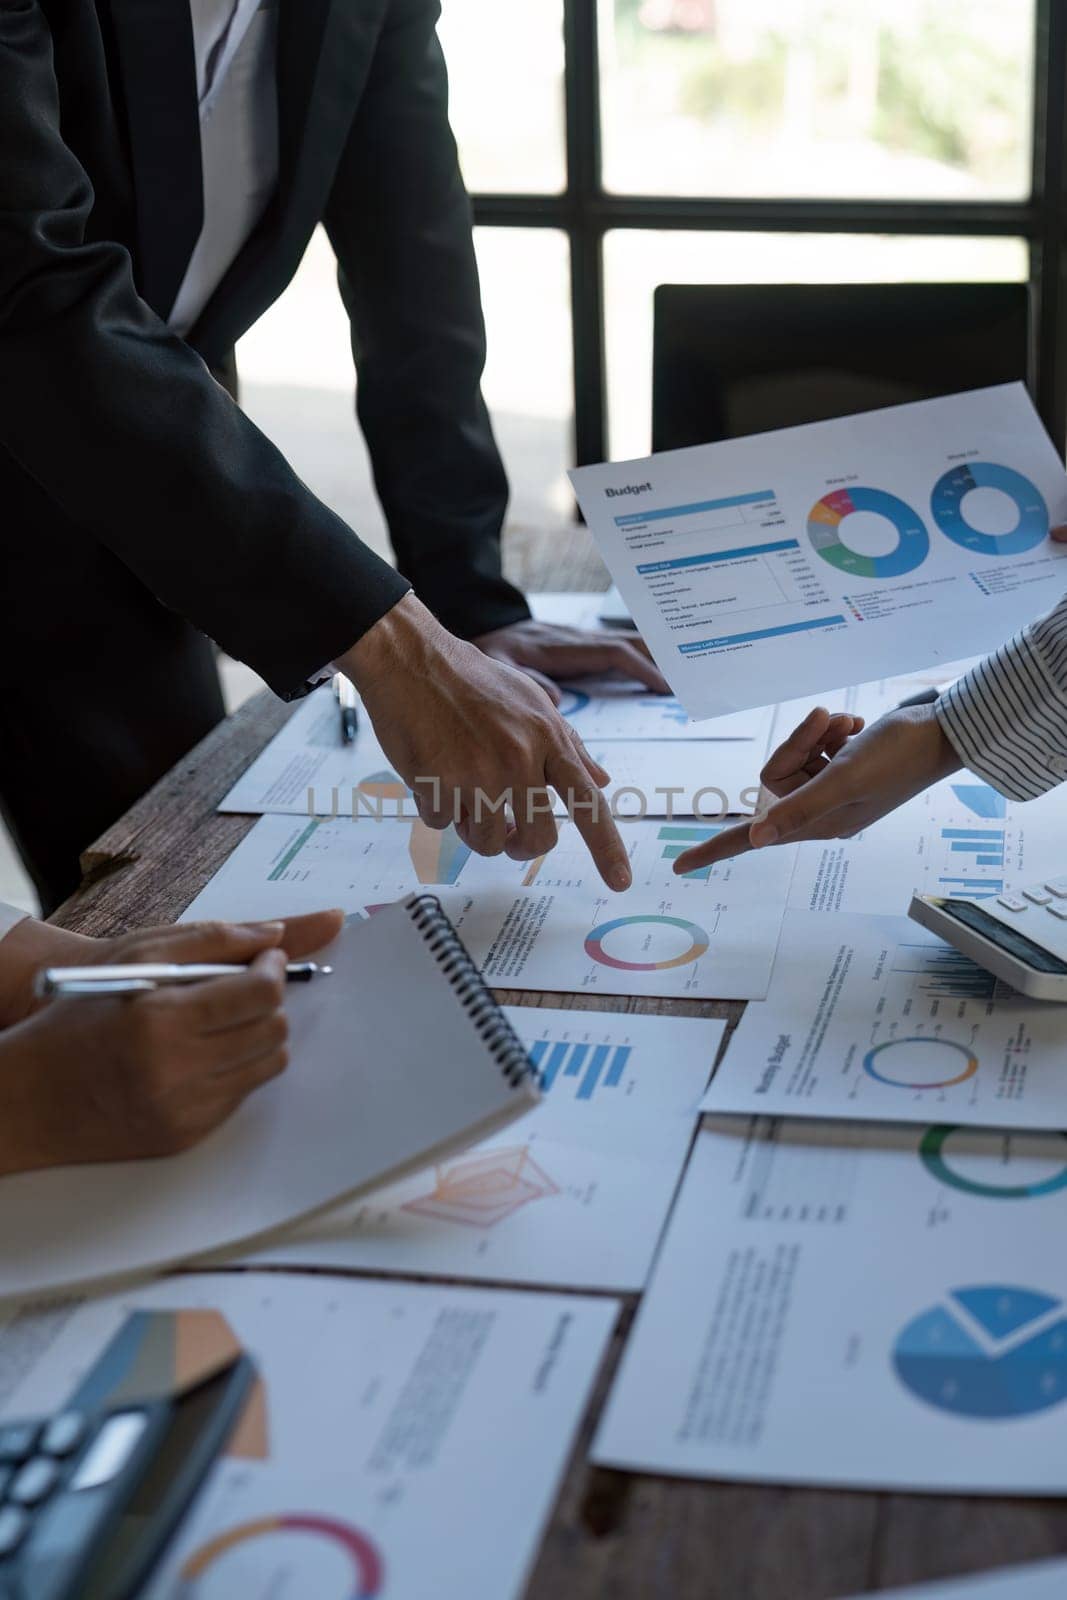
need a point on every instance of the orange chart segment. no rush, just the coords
(483, 1190)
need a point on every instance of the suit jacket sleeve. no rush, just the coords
(400, 224)
(124, 428)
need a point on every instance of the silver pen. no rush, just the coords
(143, 976)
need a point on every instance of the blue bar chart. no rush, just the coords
(976, 847)
(592, 1066)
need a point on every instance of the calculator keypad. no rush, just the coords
(14, 1525)
(1038, 910)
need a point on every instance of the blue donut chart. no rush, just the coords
(946, 506)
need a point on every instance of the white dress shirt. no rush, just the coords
(236, 45)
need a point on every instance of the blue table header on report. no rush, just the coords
(760, 633)
(717, 555)
(636, 517)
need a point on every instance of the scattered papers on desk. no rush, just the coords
(959, 838)
(548, 924)
(575, 1194)
(612, 708)
(332, 1124)
(405, 1440)
(1045, 1580)
(306, 770)
(860, 1306)
(874, 1017)
(838, 551)
(869, 700)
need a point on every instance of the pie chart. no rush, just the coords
(947, 503)
(992, 1351)
(828, 532)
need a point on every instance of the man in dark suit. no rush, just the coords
(163, 164)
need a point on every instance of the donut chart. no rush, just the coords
(940, 1163)
(947, 508)
(828, 537)
(572, 701)
(368, 1573)
(920, 1062)
(594, 944)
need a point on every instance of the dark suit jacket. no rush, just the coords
(119, 423)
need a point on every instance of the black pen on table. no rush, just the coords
(346, 700)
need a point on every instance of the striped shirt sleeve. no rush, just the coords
(1007, 717)
(10, 917)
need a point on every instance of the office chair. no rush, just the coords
(735, 359)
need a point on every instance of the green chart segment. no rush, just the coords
(828, 532)
(677, 839)
(1026, 1166)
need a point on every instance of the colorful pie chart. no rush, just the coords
(622, 932)
(947, 503)
(368, 1573)
(828, 532)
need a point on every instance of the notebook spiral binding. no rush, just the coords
(452, 956)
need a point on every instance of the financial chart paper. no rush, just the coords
(837, 552)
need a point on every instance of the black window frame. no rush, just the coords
(586, 212)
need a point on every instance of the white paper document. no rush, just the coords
(656, 768)
(574, 1194)
(959, 838)
(366, 1098)
(855, 1305)
(872, 1016)
(607, 708)
(307, 769)
(367, 1465)
(836, 552)
(1045, 1580)
(547, 924)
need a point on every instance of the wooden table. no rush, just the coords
(613, 1534)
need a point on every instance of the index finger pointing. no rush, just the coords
(730, 842)
(591, 815)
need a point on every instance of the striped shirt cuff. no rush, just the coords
(1007, 717)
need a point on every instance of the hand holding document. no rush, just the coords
(836, 552)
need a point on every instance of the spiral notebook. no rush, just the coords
(400, 1059)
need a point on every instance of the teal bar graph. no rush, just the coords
(677, 838)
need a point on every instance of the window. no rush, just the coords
(895, 139)
(612, 145)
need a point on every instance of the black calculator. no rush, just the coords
(90, 1496)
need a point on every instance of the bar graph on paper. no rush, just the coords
(943, 973)
(677, 838)
(590, 1068)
